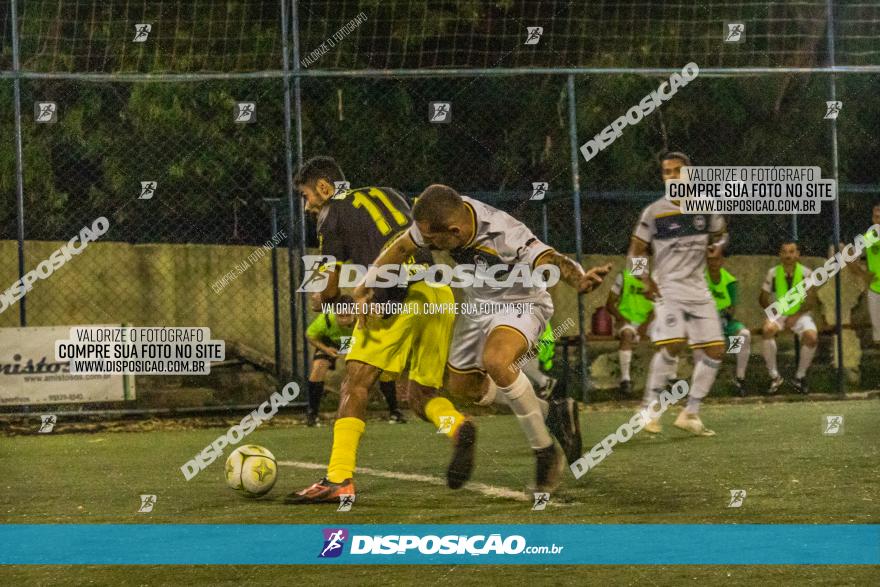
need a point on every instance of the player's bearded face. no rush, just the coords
(345, 319)
(789, 255)
(313, 199)
(875, 215)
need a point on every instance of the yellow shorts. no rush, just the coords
(413, 338)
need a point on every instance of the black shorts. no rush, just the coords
(321, 355)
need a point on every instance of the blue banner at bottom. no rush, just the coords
(579, 544)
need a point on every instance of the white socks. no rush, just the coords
(742, 359)
(768, 349)
(807, 354)
(661, 369)
(673, 374)
(625, 358)
(528, 409)
(705, 372)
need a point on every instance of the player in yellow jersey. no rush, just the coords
(353, 227)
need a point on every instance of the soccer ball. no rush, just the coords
(252, 470)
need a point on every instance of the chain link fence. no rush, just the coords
(160, 114)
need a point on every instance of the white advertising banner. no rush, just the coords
(29, 373)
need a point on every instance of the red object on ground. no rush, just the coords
(602, 324)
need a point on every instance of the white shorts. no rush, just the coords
(697, 323)
(632, 327)
(874, 312)
(802, 324)
(471, 331)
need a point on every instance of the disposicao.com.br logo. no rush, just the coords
(431, 544)
(480, 274)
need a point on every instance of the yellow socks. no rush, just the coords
(346, 437)
(444, 415)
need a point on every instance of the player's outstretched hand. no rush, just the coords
(593, 278)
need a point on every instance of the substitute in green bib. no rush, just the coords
(725, 291)
(632, 313)
(330, 334)
(870, 271)
(780, 279)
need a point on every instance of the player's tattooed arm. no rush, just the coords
(572, 273)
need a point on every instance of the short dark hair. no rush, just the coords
(317, 168)
(437, 203)
(789, 241)
(677, 155)
(345, 299)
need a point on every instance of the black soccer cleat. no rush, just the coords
(626, 388)
(740, 385)
(775, 384)
(548, 468)
(462, 464)
(563, 422)
(801, 386)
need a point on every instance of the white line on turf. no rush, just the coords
(489, 490)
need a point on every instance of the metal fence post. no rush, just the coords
(19, 160)
(578, 240)
(291, 224)
(276, 317)
(545, 233)
(297, 96)
(832, 88)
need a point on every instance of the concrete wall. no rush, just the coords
(153, 285)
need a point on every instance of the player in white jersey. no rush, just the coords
(684, 310)
(494, 341)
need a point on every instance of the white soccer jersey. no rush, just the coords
(499, 239)
(679, 242)
(770, 280)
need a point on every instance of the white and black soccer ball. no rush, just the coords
(252, 470)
